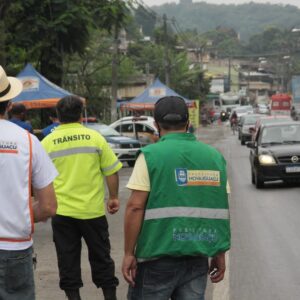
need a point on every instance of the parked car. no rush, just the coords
(245, 127)
(141, 128)
(242, 111)
(295, 113)
(124, 147)
(275, 153)
(262, 109)
(268, 120)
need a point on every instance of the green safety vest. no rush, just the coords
(187, 209)
(82, 158)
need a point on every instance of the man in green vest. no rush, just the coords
(177, 216)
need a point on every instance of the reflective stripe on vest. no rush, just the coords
(111, 167)
(71, 151)
(189, 212)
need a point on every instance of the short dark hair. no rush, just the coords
(177, 126)
(3, 107)
(69, 109)
(17, 109)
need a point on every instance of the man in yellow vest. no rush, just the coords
(177, 215)
(84, 160)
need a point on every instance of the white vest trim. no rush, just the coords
(16, 214)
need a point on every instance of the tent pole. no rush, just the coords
(85, 115)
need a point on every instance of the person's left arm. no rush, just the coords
(110, 165)
(134, 216)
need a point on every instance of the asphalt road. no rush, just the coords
(263, 262)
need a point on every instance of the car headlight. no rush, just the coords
(114, 146)
(266, 159)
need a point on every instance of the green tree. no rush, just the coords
(89, 74)
(186, 79)
(145, 20)
(45, 31)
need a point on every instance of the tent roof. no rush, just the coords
(38, 91)
(148, 98)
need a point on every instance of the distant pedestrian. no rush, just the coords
(24, 164)
(55, 122)
(177, 215)
(18, 116)
(84, 160)
(191, 128)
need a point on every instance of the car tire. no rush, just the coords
(242, 141)
(252, 177)
(259, 181)
(131, 163)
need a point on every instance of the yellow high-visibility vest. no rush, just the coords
(83, 158)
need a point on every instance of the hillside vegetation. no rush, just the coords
(247, 19)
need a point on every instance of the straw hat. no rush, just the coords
(10, 87)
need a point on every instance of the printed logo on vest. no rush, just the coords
(181, 176)
(8, 147)
(186, 177)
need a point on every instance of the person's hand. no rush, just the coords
(113, 205)
(129, 267)
(218, 264)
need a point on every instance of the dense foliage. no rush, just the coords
(73, 43)
(44, 31)
(246, 20)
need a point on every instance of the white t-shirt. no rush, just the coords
(13, 186)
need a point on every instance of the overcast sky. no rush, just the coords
(294, 2)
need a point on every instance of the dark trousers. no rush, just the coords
(176, 278)
(67, 235)
(16, 275)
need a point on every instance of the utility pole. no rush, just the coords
(229, 73)
(248, 85)
(166, 58)
(114, 75)
(199, 62)
(147, 68)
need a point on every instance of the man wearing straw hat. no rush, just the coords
(23, 164)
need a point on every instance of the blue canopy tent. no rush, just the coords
(148, 98)
(38, 91)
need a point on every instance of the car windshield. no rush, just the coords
(284, 134)
(104, 129)
(275, 120)
(241, 110)
(250, 120)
